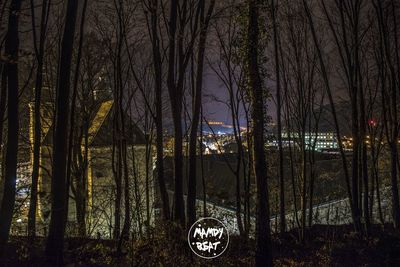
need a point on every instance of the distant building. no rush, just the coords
(318, 141)
(322, 140)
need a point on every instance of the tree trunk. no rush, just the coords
(127, 218)
(81, 179)
(10, 162)
(148, 150)
(282, 219)
(263, 246)
(175, 95)
(396, 204)
(191, 196)
(394, 186)
(157, 63)
(73, 105)
(118, 190)
(364, 162)
(3, 102)
(203, 178)
(37, 123)
(55, 240)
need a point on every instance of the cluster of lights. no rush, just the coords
(215, 123)
(348, 141)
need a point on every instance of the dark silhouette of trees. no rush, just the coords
(328, 68)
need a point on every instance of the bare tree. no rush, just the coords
(348, 39)
(328, 87)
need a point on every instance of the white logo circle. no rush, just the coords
(208, 238)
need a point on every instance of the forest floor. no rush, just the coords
(323, 246)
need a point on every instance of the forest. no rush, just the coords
(126, 124)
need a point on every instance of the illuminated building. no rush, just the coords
(99, 179)
(319, 141)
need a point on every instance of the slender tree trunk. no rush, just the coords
(127, 219)
(191, 196)
(80, 203)
(137, 195)
(394, 186)
(175, 96)
(10, 162)
(157, 64)
(263, 246)
(364, 162)
(312, 160)
(396, 204)
(122, 164)
(55, 240)
(203, 178)
(293, 181)
(160, 158)
(37, 123)
(127, 216)
(310, 204)
(148, 150)
(282, 219)
(373, 180)
(73, 105)
(304, 187)
(179, 211)
(236, 132)
(118, 192)
(118, 124)
(355, 163)
(117, 200)
(3, 102)
(378, 197)
(81, 180)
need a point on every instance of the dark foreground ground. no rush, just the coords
(325, 246)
